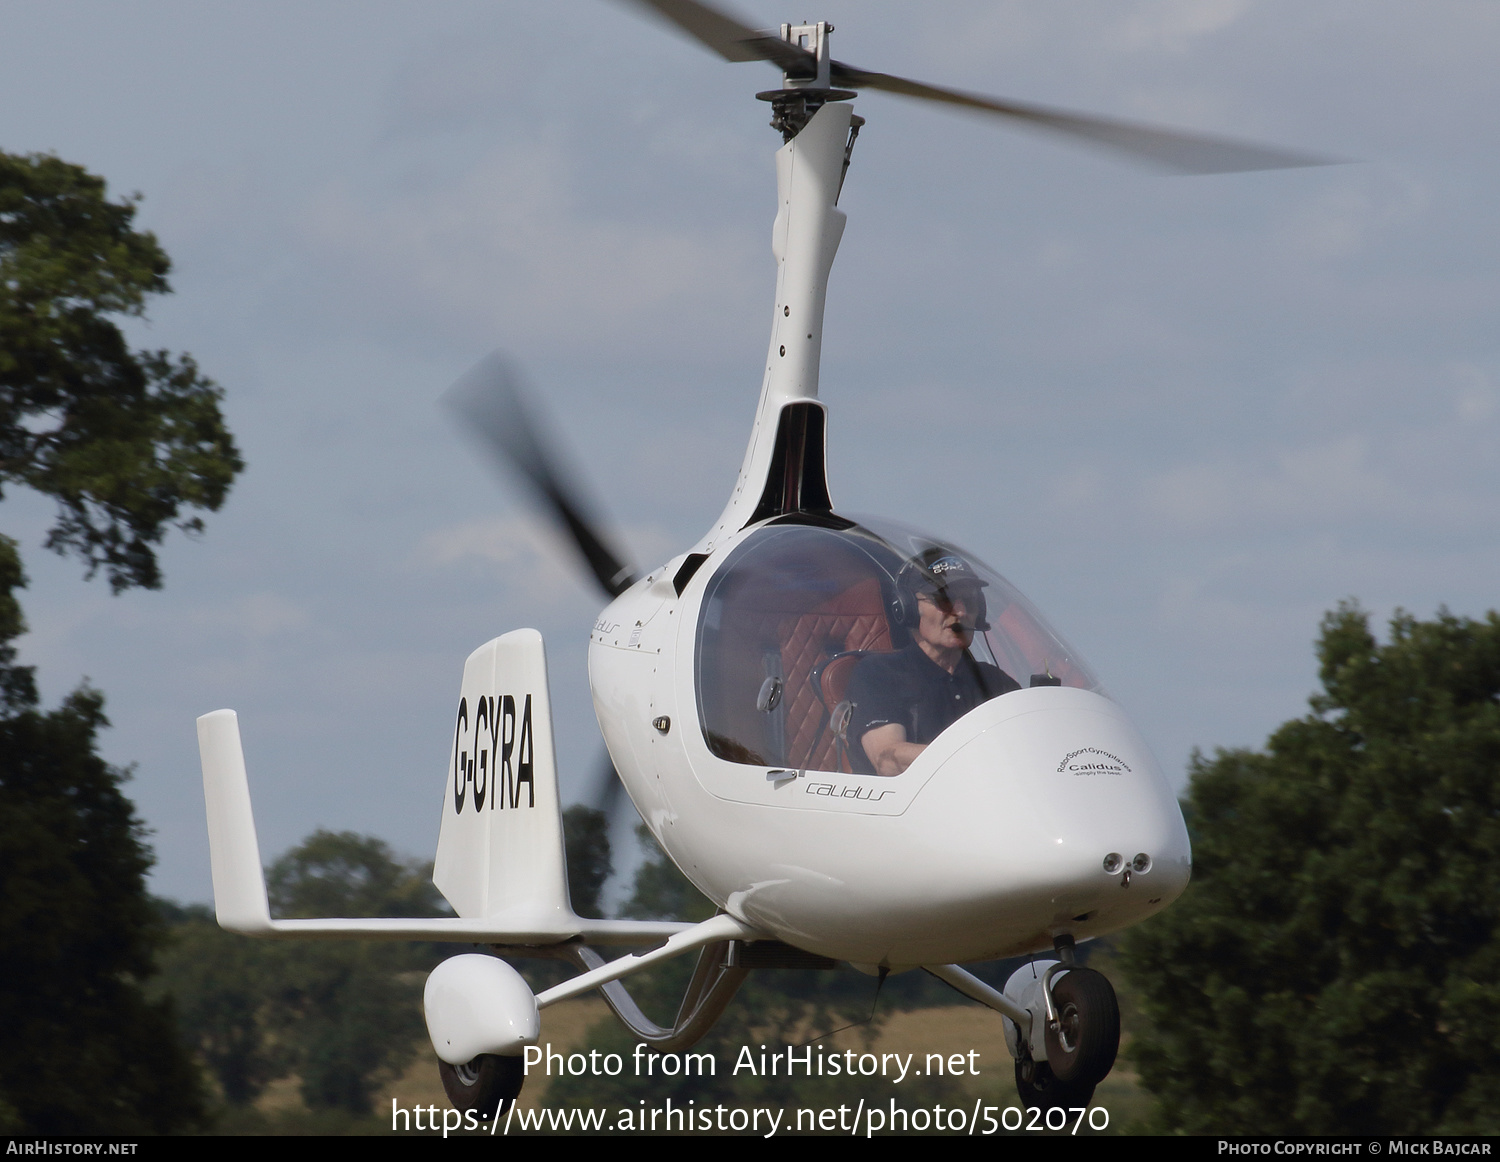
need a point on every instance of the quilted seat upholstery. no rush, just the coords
(852, 620)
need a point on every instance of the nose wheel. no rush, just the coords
(1082, 1040)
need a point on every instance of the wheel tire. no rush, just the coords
(1045, 1092)
(1082, 1048)
(487, 1085)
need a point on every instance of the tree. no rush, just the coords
(220, 985)
(128, 444)
(1335, 965)
(586, 845)
(123, 441)
(351, 1010)
(343, 1016)
(339, 873)
(82, 1051)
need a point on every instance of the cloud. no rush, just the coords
(1348, 218)
(1397, 482)
(254, 616)
(1476, 397)
(1333, 479)
(530, 560)
(536, 564)
(1173, 26)
(508, 251)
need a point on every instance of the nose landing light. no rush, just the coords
(1114, 864)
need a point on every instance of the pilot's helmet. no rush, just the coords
(935, 570)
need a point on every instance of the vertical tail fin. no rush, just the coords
(500, 850)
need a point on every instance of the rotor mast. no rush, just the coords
(819, 128)
(783, 466)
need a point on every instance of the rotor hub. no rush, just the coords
(791, 109)
(806, 79)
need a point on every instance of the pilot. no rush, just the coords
(902, 701)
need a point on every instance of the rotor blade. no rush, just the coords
(1171, 149)
(489, 404)
(730, 39)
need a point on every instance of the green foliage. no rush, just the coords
(82, 1049)
(344, 874)
(586, 850)
(350, 1012)
(1334, 967)
(343, 1015)
(220, 984)
(123, 441)
(586, 843)
(660, 891)
(17, 683)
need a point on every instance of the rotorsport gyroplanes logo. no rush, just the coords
(1091, 760)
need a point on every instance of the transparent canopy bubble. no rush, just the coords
(801, 604)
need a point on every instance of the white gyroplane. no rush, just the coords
(861, 743)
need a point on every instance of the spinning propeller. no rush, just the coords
(490, 407)
(813, 74)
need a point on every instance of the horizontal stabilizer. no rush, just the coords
(240, 883)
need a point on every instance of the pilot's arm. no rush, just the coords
(882, 703)
(888, 749)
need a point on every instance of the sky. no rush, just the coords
(1186, 416)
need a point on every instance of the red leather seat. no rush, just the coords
(846, 626)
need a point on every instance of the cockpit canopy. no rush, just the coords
(798, 606)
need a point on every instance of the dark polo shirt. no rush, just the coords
(909, 688)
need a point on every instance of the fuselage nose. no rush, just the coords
(1038, 813)
(1054, 817)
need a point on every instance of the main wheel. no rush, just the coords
(1040, 1089)
(488, 1084)
(1082, 1048)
